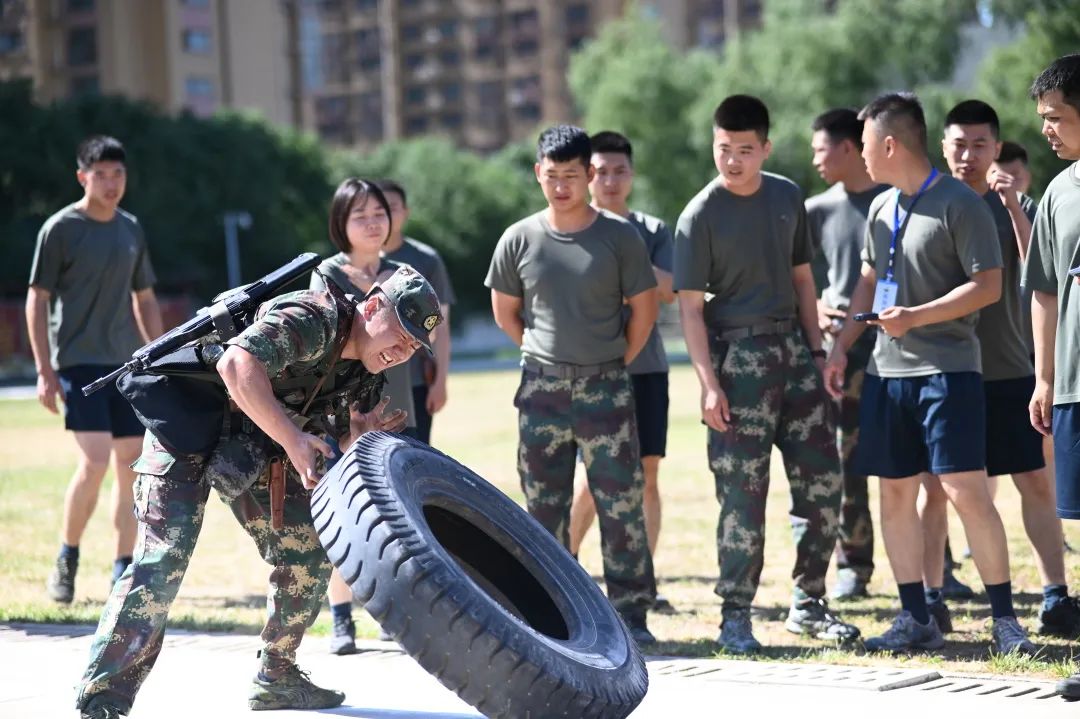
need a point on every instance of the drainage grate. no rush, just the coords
(994, 687)
(865, 678)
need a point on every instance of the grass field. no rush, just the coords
(225, 585)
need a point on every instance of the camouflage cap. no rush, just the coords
(415, 301)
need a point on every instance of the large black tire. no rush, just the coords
(472, 587)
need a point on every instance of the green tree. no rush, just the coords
(1051, 29)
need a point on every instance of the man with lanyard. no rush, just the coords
(930, 262)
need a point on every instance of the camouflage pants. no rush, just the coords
(170, 500)
(556, 417)
(855, 542)
(776, 397)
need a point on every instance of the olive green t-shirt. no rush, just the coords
(572, 286)
(426, 260)
(1054, 250)
(1005, 353)
(836, 221)
(657, 238)
(398, 387)
(91, 268)
(948, 237)
(741, 251)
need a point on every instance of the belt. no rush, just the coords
(570, 371)
(765, 328)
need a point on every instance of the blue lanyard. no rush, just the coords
(897, 228)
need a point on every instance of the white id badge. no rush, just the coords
(884, 295)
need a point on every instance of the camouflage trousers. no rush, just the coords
(170, 500)
(777, 397)
(556, 418)
(855, 541)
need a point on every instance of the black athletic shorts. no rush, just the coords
(103, 411)
(1012, 444)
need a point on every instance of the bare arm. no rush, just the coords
(437, 392)
(802, 279)
(147, 314)
(1044, 315)
(714, 405)
(664, 291)
(984, 288)
(862, 300)
(643, 311)
(1021, 228)
(507, 312)
(37, 322)
(245, 378)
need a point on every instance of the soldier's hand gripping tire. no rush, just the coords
(473, 588)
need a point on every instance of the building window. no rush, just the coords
(485, 32)
(415, 96)
(366, 43)
(368, 109)
(525, 32)
(84, 85)
(197, 3)
(489, 94)
(200, 95)
(80, 5)
(452, 120)
(82, 46)
(197, 40)
(410, 33)
(366, 5)
(10, 41)
(451, 92)
(416, 125)
(450, 58)
(414, 60)
(448, 29)
(577, 14)
(524, 97)
(332, 58)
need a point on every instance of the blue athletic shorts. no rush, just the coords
(1012, 444)
(935, 423)
(651, 407)
(1067, 459)
(104, 411)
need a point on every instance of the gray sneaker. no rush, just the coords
(737, 633)
(939, 610)
(1069, 687)
(906, 634)
(292, 690)
(343, 640)
(1010, 637)
(848, 587)
(812, 617)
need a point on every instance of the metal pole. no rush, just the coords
(234, 221)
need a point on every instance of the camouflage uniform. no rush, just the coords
(855, 540)
(294, 336)
(596, 415)
(776, 396)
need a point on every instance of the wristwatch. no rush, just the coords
(819, 354)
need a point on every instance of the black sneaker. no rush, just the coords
(1069, 688)
(61, 584)
(343, 640)
(1061, 620)
(639, 630)
(939, 610)
(953, 588)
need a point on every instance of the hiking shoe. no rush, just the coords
(953, 588)
(906, 634)
(1010, 637)
(663, 606)
(343, 640)
(939, 610)
(1062, 619)
(812, 616)
(385, 636)
(849, 587)
(61, 584)
(292, 690)
(1069, 687)
(737, 633)
(639, 630)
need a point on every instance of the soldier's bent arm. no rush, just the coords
(862, 300)
(507, 311)
(692, 312)
(249, 386)
(643, 311)
(984, 288)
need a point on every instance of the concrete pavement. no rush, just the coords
(206, 676)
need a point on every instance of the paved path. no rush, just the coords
(206, 676)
